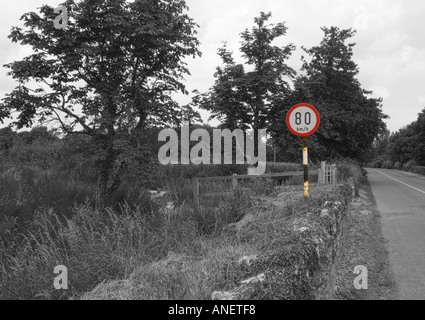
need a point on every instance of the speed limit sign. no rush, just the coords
(303, 120)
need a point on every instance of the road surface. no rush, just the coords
(400, 197)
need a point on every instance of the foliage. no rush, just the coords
(242, 98)
(104, 245)
(110, 72)
(350, 120)
(348, 169)
(404, 147)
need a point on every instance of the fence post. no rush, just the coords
(195, 184)
(320, 175)
(323, 171)
(197, 187)
(234, 181)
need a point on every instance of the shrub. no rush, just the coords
(407, 166)
(388, 164)
(349, 169)
(397, 165)
(275, 167)
(377, 163)
(418, 170)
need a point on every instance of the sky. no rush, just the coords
(390, 43)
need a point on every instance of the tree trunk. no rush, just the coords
(109, 171)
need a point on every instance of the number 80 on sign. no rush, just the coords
(303, 120)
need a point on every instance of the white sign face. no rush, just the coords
(303, 120)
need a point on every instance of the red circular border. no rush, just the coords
(307, 106)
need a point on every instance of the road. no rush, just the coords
(400, 198)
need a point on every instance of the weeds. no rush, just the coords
(98, 246)
(176, 249)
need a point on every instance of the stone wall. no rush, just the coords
(300, 262)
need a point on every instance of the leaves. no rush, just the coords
(243, 99)
(120, 53)
(350, 120)
(112, 70)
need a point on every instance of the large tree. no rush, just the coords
(420, 145)
(350, 119)
(109, 73)
(243, 94)
(406, 144)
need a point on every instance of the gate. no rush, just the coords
(327, 173)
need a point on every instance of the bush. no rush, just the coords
(276, 167)
(397, 165)
(388, 164)
(349, 169)
(418, 170)
(377, 163)
(407, 166)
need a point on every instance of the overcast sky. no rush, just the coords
(390, 39)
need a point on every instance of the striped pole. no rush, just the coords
(305, 166)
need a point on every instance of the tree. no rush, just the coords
(350, 120)
(288, 144)
(243, 99)
(111, 72)
(402, 144)
(420, 143)
(380, 147)
(408, 143)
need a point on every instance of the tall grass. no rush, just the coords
(24, 190)
(98, 246)
(215, 264)
(180, 248)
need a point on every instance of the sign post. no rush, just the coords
(303, 120)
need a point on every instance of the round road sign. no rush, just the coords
(303, 120)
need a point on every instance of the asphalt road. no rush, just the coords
(400, 197)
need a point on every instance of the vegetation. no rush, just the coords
(109, 74)
(177, 252)
(77, 194)
(350, 119)
(242, 98)
(49, 217)
(403, 149)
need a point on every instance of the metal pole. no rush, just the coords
(305, 166)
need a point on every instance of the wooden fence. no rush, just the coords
(327, 173)
(235, 179)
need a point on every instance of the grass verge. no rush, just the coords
(364, 245)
